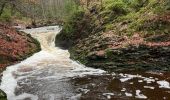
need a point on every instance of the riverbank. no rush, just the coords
(116, 53)
(15, 46)
(120, 36)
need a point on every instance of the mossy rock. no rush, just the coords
(159, 38)
(3, 95)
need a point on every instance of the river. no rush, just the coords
(51, 75)
(43, 76)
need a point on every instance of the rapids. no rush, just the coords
(51, 75)
(45, 75)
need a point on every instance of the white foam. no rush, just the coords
(108, 95)
(127, 77)
(131, 83)
(76, 97)
(10, 80)
(124, 89)
(164, 84)
(87, 71)
(149, 87)
(149, 80)
(139, 95)
(85, 91)
(140, 81)
(49, 57)
(128, 94)
(24, 96)
(45, 29)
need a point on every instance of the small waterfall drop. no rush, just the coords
(45, 75)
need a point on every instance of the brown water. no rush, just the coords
(124, 86)
(45, 75)
(51, 75)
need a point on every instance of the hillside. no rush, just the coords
(120, 34)
(14, 47)
(115, 49)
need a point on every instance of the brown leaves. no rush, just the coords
(12, 44)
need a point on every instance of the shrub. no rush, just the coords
(6, 15)
(118, 6)
(137, 4)
(167, 5)
(69, 26)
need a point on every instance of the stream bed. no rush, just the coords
(51, 75)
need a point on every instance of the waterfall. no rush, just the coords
(45, 75)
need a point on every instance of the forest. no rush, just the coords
(84, 49)
(36, 10)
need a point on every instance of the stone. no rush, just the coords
(3, 95)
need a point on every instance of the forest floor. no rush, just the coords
(15, 46)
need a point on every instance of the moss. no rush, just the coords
(135, 13)
(136, 5)
(108, 27)
(118, 7)
(123, 18)
(79, 26)
(159, 38)
(109, 53)
(167, 5)
(6, 15)
(81, 57)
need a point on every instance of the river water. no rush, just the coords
(51, 75)
(44, 76)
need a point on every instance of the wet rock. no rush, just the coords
(2, 95)
(97, 55)
(28, 27)
(140, 56)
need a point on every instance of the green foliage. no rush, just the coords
(10, 13)
(140, 16)
(167, 5)
(69, 26)
(108, 27)
(70, 7)
(6, 15)
(137, 4)
(123, 17)
(118, 6)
